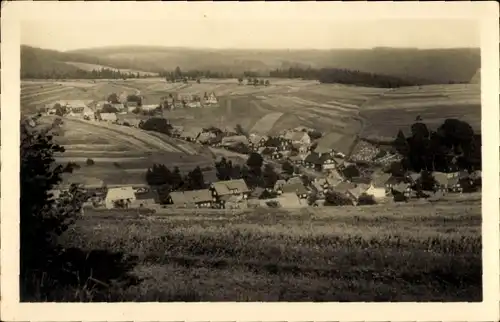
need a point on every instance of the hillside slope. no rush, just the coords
(435, 65)
(438, 65)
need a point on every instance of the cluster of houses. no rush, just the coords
(293, 192)
(95, 110)
(188, 100)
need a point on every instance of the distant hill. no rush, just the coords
(37, 61)
(435, 65)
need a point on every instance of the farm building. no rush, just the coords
(119, 106)
(312, 160)
(146, 198)
(391, 182)
(191, 199)
(205, 137)
(297, 159)
(401, 189)
(378, 187)
(301, 148)
(177, 130)
(88, 113)
(455, 185)
(130, 121)
(278, 186)
(121, 197)
(149, 107)
(413, 177)
(289, 200)
(131, 106)
(327, 162)
(73, 106)
(356, 192)
(441, 181)
(232, 202)
(230, 187)
(256, 141)
(190, 134)
(297, 137)
(108, 117)
(297, 188)
(234, 140)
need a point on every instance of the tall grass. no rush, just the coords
(425, 253)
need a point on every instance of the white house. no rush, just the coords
(123, 195)
(298, 137)
(88, 112)
(108, 117)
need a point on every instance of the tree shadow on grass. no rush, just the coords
(81, 276)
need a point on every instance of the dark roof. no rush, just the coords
(361, 180)
(313, 157)
(151, 194)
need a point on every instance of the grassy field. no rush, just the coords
(410, 252)
(397, 109)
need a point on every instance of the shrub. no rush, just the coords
(273, 204)
(90, 162)
(334, 198)
(366, 200)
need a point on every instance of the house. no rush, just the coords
(455, 185)
(378, 188)
(297, 137)
(402, 188)
(297, 159)
(312, 160)
(88, 113)
(289, 200)
(149, 107)
(130, 121)
(190, 134)
(131, 106)
(324, 184)
(119, 106)
(230, 187)
(232, 202)
(391, 182)
(278, 186)
(327, 162)
(344, 188)
(413, 177)
(121, 197)
(301, 148)
(74, 106)
(146, 198)
(205, 137)
(177, 131)
(210, 99)
(441, 181)
(108, 117)
(191, 199)
(256, 141)
(355, 192)
(297, 188)
(233, 140)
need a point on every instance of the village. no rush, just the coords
(309, 171)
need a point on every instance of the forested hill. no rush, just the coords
(434, 65)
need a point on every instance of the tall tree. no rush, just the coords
(43, 216)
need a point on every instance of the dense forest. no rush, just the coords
(77, 73)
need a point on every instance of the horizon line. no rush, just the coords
(251, 48)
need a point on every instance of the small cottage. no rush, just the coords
(229, 141)
(108, 117)
(121, 197)
(190, 134)
(230, 187)
(278, 186)
(378, 186)
(146, 198)
(297, 188)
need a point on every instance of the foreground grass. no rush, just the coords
(382, 253)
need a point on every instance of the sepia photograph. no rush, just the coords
(206, 159)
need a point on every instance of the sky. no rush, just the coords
(260, 34)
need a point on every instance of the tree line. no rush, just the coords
(346, 76)
(453, 146)
(102, 73)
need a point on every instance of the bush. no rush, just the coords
(334, 198)
(90, 162)
(366, 200)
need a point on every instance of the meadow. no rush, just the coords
(404, 252)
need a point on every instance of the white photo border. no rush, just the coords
(486, 13)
